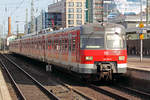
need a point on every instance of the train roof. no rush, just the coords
(96, 28)
(101, 28)
(52, 32)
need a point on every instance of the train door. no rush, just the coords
(38, 50)
(37, 45)
(41, 49)
(74, 47)
(66, 49)
(44, 47)
(69, 46)
(29, 46)
(59, 47)
(20, 46)
(78, 46)
(33, 46)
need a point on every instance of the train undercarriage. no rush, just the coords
(105, 71)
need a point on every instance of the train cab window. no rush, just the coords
(91, 42)
(115, 41)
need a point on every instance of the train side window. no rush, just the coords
(56, 45)
(49, 44)
(43, 44)
(39, 45)
(63, 44)
(52, 41)
(36, 44)
(69, 44)
(66, 44)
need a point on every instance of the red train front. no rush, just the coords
(92, 51)
(103, 50)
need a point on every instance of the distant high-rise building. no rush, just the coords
(94, 10)
(148, 11)
(45, 20)
(73, 12)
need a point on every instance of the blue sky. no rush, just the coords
(17, 10)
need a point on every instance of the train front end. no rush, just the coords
(103, 50)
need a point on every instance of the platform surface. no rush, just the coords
(4, 93)
(135, 63)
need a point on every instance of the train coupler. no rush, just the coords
(104, 71)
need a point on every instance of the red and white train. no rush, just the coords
(93, 50)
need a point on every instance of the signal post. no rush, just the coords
(141, 36)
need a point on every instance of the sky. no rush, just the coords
(16, 9)
(130, 5)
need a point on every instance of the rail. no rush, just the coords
(48, 93)
(16, 87)
(113, 95)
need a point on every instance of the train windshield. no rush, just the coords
(91, 42)
(116, 41)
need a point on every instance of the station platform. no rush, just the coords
(138, 69)
(4, 93)
(134, 62)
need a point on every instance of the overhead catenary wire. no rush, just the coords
(20, 4)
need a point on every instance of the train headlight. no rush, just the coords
(88, 58)
(121, 57)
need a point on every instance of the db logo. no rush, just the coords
(106, 53)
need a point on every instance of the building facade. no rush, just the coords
(94, 11)
(73, 12)
(148, 12)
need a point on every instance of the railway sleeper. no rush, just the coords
(49, 67)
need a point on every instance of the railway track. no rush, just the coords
(58, 91)
(108, 92)
(116, 92)
(135, 92)
(11, 71)
(16, 87)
